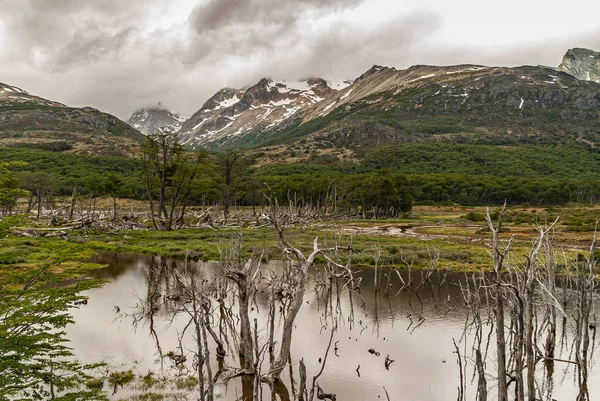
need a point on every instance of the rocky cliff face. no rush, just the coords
(582, 63)
(232, 114)
(32, 121)
(151, 120)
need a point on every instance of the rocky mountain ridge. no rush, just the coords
(232, 114)
(463, 103)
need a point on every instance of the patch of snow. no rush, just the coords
(225, 103)
(213, 133)
(521, 105)
(312, 96)
(466, 69)
(269, 111)
(330, 105)
(228, 102)
(422, 77)
(345, 95)
(282, 102)
(198, 125)
(288, 86)
(19, 97)
(290, 112)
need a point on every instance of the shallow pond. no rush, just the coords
(416, 330)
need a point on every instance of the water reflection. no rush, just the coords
(414, 328)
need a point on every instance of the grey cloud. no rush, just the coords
(87, 48)
(216, 14)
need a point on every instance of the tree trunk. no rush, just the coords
(72, 209)
(114, 208)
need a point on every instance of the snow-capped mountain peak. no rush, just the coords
(236, 112)
(150, 120)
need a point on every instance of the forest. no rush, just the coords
(382, 181)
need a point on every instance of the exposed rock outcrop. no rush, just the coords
(582, 63)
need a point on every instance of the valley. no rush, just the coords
(403, 235)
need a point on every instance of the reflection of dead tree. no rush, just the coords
(147, 308)
(321, 395)
(296, 268)
(517, 287)
(474, 294)
(243, 275)
(583, 304)
(195, 304)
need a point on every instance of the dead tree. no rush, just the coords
(499, 256)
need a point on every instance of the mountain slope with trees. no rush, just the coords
(31, 121)
(460, 104)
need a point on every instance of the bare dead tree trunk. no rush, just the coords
(243, 276)
(499, 256)
(72, 208)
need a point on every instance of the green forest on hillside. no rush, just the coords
(438, 173)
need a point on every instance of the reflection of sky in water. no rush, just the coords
(418, 373)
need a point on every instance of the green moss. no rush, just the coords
(187, 383)
(120, 378)
(95, 383)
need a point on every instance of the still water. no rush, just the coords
(416, 330)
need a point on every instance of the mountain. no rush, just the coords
(31, 121)
(150, 120)
(582, 63)
(232, 114)
(463, 103)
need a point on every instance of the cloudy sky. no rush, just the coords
(119, 55)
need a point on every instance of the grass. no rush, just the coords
(462, 242)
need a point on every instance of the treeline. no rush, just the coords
(445, 158)
(386, 183)
(519, 161)
(358, 189)
(63, 171)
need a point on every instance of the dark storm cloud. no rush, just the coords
(121, 55)
(217, 14)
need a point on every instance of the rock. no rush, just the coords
(582, 64)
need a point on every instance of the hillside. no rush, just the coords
(31, 121)
(460, 104)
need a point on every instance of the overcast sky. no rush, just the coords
(120, 55)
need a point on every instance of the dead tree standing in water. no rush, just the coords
(499, 256)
